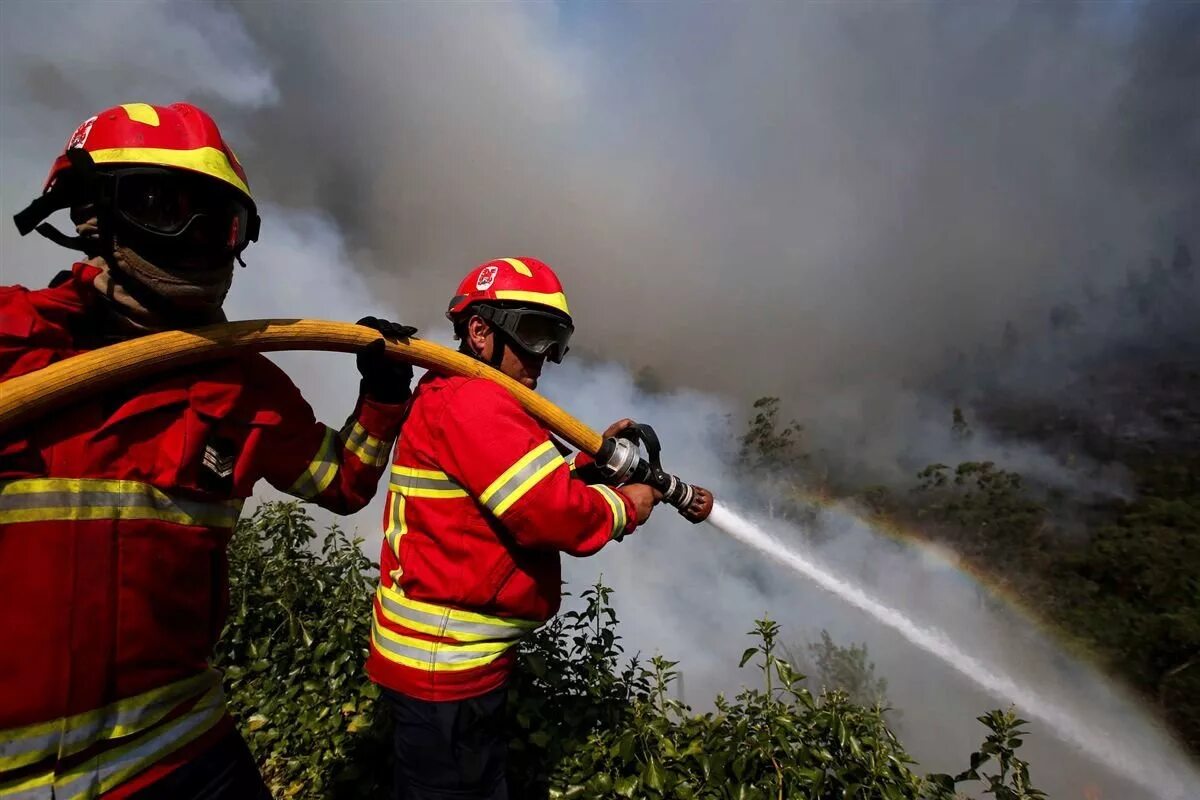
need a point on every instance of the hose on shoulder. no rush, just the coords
(35, 394)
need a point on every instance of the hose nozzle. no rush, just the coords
(623, 462)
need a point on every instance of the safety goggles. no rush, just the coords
(538, 332)
(174, 204)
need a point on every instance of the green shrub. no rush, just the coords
(581, 724)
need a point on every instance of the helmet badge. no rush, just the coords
(487, 276)
(80, 136)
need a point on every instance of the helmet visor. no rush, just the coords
(170, 203)
(539, 332)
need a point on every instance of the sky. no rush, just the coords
(814, 201)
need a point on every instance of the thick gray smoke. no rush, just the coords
(841, 191)
(814, 201)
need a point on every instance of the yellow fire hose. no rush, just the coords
(34, 394)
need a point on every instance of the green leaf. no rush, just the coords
(626, 786)
(653, 775)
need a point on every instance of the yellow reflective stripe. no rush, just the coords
(413, 482)
(519, 266)
(369, 449)
(397, 526)
(451, 623)
(321, 471)
(63, 499)
(620, 519)
(142, 112)
(22, 788)
(207, 160)
(517, 480)
(66, 736)
(554, 300)
(434, 656)
(111, 768)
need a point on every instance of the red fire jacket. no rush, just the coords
(481, 503)
(114, 519)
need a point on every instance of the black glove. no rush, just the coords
(384, 379)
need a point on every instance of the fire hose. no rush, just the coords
(31, 395)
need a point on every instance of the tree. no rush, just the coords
(849, 670)
(981, 499)
(959, 427)
(766, 446)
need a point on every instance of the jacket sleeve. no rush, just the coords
(584, 467)
(509, 464)
(337, 469)
(31, 335)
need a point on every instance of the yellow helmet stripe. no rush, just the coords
(142, 112)
(519, 266)
(207, 160)
(556, 300)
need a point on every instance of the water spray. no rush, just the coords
(1166, 781)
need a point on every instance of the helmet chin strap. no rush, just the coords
(499, 343)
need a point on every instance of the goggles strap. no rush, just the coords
(88, 247)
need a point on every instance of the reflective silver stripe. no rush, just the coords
(30, 750)
(117, 766)
(396, 525)
(369, 449)
(513, 485)
(321, 471)
(403, 483)
(56, 499)
(445, 625)
(617, 505)
(435, 655)
(124, 719)
(413, 482)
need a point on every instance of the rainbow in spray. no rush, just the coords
(1160, 768)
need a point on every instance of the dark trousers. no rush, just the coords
(449, 751)
(225, 771)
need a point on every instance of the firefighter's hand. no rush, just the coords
(385, 379)
(643, 497)
(616, 427)
(392, 331)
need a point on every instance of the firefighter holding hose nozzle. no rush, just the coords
(115, 512)
(482, 502)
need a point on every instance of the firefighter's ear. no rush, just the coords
(479, 336)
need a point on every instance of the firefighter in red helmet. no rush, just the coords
(481, 504)
(115, 514)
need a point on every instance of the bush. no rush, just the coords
(293, 651)
(581, 725)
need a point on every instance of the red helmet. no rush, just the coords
(521, 296)
(523, 280)
(179, 137)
